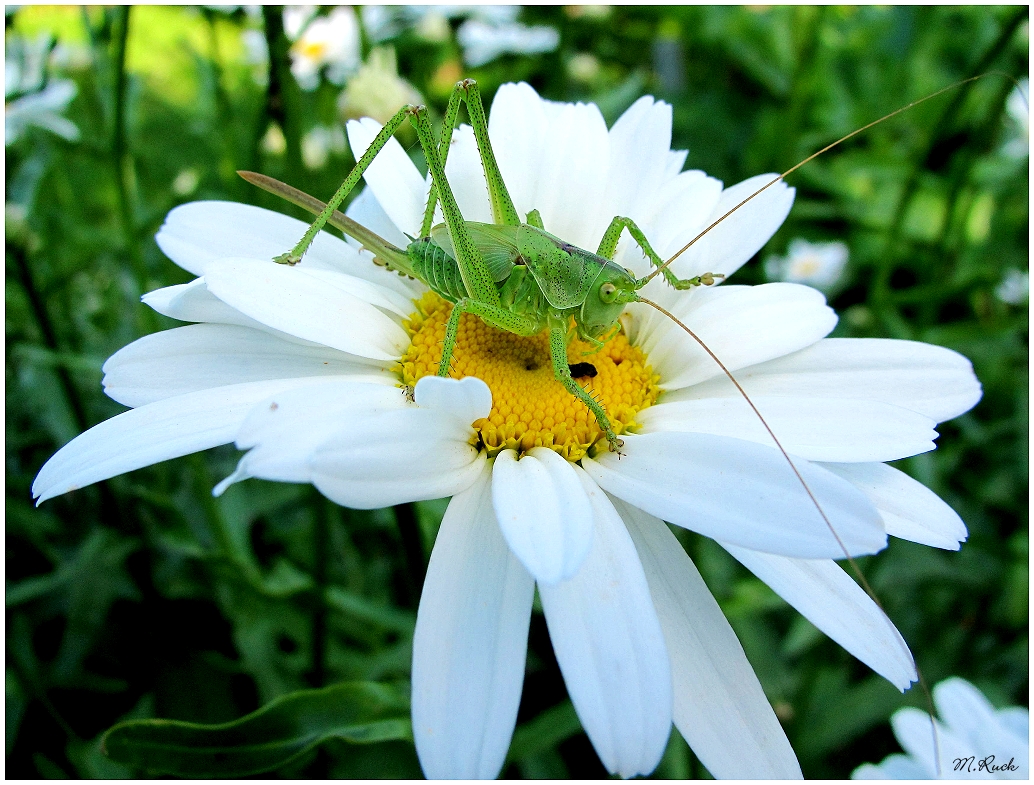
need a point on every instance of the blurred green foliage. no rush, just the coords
(145, 597)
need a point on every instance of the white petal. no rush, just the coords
(720, 707)
(470, 643)
(739, 492)
(819, 429)
(368, 211)
(735, 240)
(517, 127)
(742, 325)
(393, 457)
(640, 142)
(909, 509)
(965, 710)
(466, 177)
(927, 379)
(825, 595)
(543, 512)
(610, 647)
(303, 304)
(199, 233)
(576, 155)
(284, 431)
(893, 767)
(915, 732)
(399, 187)
(192, 302)
(201, 356)
(155, 432)
(468, 399)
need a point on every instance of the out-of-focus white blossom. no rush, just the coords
(31, 100)
(583, 67)
(434, 27)
(1014, 287)
(186, 182)
(974, 740)
(588, 11)
(377, 90)
(274, 142)
(383, 22)
(483, 42)
(319, 143)
(330, 42)
(1017, 110)
(815, 264)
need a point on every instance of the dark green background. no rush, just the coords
(144, 597)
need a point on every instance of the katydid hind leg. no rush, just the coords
(294, 256)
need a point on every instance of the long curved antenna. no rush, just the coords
(811, 157)
(854, 565)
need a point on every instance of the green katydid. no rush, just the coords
(514, 275)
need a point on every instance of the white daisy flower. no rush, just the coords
(302, 367)
(483, 42)
(1014, 288)
(816, 264)
(974, 739)
(330, 42)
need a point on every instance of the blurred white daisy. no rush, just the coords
(328, 42)
(319, 142)
(974, 740)
(302, 367)
(29, 98)
(1017, 112)
(377, 90)
(483, 42)
(815, 264)
(1014, 288)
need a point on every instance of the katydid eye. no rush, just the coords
(608, 292)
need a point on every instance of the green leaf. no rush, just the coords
(273, 736)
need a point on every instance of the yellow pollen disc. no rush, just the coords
(529, 407)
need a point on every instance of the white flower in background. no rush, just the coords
(815, 264)
(302, 367)
(483, 42)
(1014, 287)
(319, 143)
(273, 141)
(330, 42)
(975, 740)
(583, 67)
(43, 110)
(31, 100)
(377, 90)
(1017, 110)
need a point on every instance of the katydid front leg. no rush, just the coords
(562, 373)
(609, 244)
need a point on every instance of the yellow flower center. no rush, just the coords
(310, 49)
(529, 407)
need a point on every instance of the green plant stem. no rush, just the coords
(122, 162)
(39, 311)
(280, 92)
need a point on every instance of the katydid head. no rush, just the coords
(613, 288)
